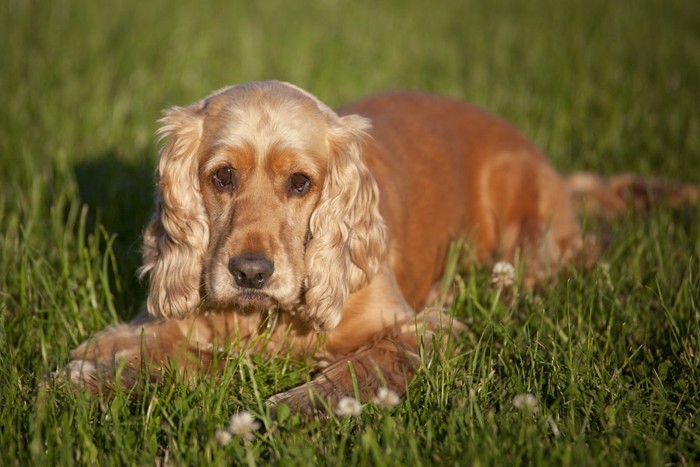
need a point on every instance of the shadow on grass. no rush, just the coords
(119, 195)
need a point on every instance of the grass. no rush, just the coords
(611, 356)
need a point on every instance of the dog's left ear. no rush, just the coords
(177, 237)
(348, 234)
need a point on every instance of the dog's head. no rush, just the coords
(264, 201)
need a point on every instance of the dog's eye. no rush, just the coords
(299, 184)
(224, 179)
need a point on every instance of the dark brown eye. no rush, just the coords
(299, 184)
(224, 179)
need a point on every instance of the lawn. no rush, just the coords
(601, 368)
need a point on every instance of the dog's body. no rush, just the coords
(447, 169)
(281, 226)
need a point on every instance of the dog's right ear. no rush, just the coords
(177, 236)
(348, 233)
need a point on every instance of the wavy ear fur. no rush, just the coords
(177, 237)
(348, 234)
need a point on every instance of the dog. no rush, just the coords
(283, 227)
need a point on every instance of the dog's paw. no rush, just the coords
(359, 376)
(84, 374)
(307, 400)
(78, 374)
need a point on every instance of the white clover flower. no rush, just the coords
(526, 402)
(223, 437)
(553, 426)
(386, 398)
(348, 406)
(503, 274)
(244, 424)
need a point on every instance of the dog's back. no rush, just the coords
(448, 169)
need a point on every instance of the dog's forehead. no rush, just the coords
(266, 117)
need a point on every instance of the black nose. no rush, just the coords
(251, 271)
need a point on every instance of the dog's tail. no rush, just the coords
(611, 197)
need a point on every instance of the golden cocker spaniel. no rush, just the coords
(281, 225)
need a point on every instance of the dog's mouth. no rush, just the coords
(254, 299)
(246, 301)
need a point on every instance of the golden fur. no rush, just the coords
(281, 225)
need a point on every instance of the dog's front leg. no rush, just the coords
(390, 361)
(122, 354)
(387, 363)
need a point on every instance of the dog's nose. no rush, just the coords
(251, 271)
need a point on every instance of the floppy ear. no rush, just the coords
(348, 234)
(177, 237)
